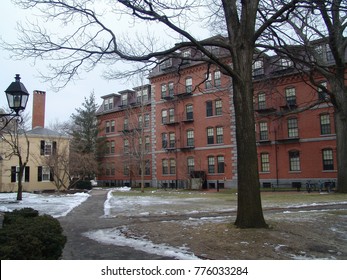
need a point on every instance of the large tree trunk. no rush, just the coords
(249, 210)
(341, 146)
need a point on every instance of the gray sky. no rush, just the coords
(59, 105)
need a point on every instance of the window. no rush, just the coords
(110, 126)
(110, 147)
(147, 144)
(164, 140)
(165, 166)
(171, 89)
(258, 67)
(126, 146)
(218, 107)
(148, 167)
(328, 159)
(124, 99)
(209, 109)
(321, 90)
(325, 127)
(142, 95)
(261, 101)
(15, 174)
(190, 138)
(189, 112)
(186, 55)
(294, 161)
(219, 135)
(293, 131)
(189, 85)
(164, 116)
(210, 135)
(167, 63)
(263, 131)
(210, 162)
(171, 115)
(217, 79)
(48, 148)
(264, 162)
(190, 165)
(285, 63)
(208, 81)
(291, 96)
(172, 139)
(146, 120)
(220, 164)
(172, 166)
(126, 124)
(108, 104)
(163, 90)
(140, 121)
(44, 174)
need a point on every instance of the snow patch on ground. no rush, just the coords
(118, 237)
(56, 205)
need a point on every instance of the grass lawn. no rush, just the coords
(269, 199)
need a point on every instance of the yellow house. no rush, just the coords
(47, 167)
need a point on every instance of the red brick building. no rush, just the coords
(186, 120)
(295, 146)
(193, 135)
(125, 128)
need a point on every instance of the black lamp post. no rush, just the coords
(17, 98)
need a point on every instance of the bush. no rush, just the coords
(28, 237)
(10, 217)
(84, 185)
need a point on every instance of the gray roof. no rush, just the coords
(45, 132)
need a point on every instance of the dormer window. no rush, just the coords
(258, 67)
(285, 63)
(186, 56)
(108, 104)
(167, 63)
(142, 96)
(124, 99)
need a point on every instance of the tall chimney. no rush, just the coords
(39, 103)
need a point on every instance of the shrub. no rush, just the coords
(24, 213)
(30, 237)
(84, 185)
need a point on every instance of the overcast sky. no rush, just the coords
(59, 105)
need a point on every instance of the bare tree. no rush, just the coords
(18, 146)
(93, 41)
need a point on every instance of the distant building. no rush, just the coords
(125, 125)
(44, 147)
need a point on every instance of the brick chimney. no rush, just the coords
(39, 103)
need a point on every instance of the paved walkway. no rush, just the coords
(87, 217)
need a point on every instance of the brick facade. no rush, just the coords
(192, 128)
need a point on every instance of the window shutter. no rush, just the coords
(54, 147)
(27, 174)
(42, 148)
(51, 175)
(39, 173)
(13, 174)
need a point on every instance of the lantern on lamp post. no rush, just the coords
(17, 98)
